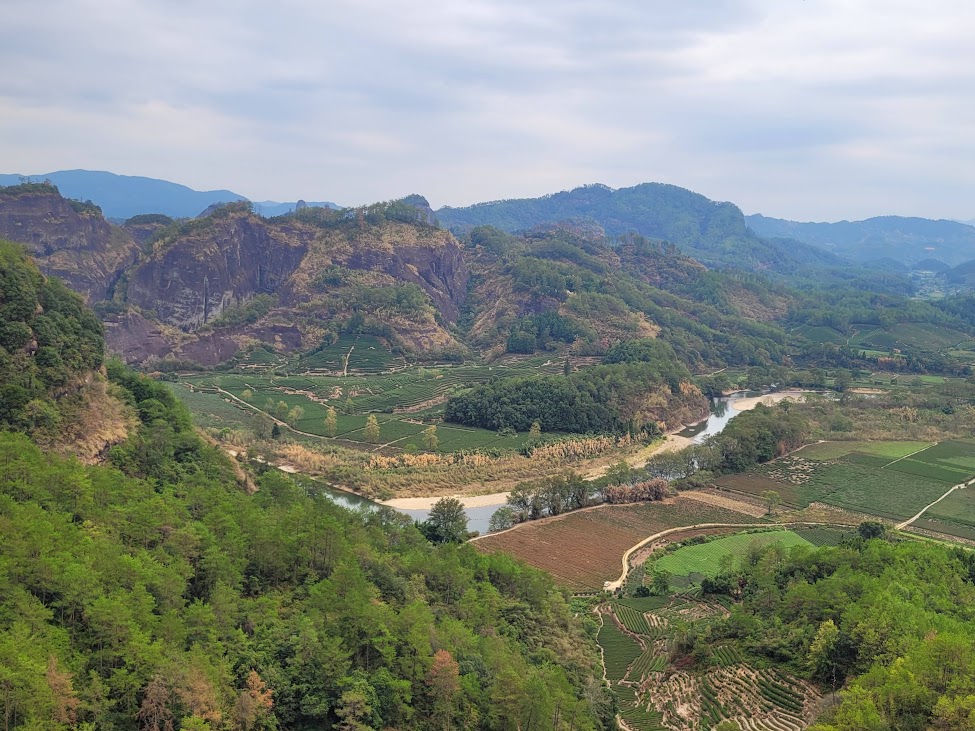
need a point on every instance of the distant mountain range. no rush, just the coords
(124, 196)
(907, 240)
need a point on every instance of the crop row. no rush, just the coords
(632, 619)
(619, 650)
(647, 663)
(726, 655)
(640, 719)
(781, 696)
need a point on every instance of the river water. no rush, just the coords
(477, 518)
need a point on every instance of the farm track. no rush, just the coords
(960, 486)
(614, 585)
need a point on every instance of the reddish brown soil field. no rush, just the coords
(582, 550)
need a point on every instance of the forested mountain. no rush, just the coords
(713, 233)
(907, 240)
(200, 292)
(158, 590)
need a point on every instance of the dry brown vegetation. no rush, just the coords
(92, 420)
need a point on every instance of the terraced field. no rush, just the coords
(660, 692)
(404, 401)
(583, 549)
(892, 480)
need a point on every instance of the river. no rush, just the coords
(722, 412)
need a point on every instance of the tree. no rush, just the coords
(771, 499)
(502, 519)
(155, 713)
(444, 683)
(619, 473)
(275, 431)
(448, 521)
(823, 652)
(331, 422)
(65, 699)
(660, 583)
(281, 410)
(262, 425)
(535, 431)
(254, 704)
(294, 416)
(372, 429)
(430, 439)
(871, 529)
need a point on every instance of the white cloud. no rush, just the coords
(809, 109)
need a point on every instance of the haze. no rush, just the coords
(820, 110)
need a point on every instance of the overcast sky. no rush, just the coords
(806, 109)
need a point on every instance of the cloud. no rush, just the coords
(809, 109)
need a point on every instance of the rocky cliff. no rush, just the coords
(68, 239)
(191, 278)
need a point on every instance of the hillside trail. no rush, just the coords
(959, 486)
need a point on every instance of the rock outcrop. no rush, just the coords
(69, 240)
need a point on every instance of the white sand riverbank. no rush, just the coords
(768, 399)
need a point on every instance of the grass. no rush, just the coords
(705, 559)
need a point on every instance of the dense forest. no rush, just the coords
(893, 620)
(641, 387)
(169, 588)
(48, 341)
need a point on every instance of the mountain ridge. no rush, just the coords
(125, 196)
(908, 239)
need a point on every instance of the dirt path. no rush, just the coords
(960, 486)
(931, 444)
(614, 585)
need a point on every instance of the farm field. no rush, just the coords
(892, 480)
(660, 692)
(584, 549)
(905, 335)
(688, 565)
(404, 401)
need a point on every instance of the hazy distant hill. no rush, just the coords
(124, 196)
(909, 240)
(268, 209)
(712, 232)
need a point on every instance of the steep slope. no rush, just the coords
(572, 287)
(714, 233)
(51, 385)
(70, 240)
(165, 589)
(908, 240)
(212, 286)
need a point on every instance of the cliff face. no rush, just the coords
(68, 240)
(192, 291)
(214, 285)
(190, 281)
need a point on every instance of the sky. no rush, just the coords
(802, 109)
